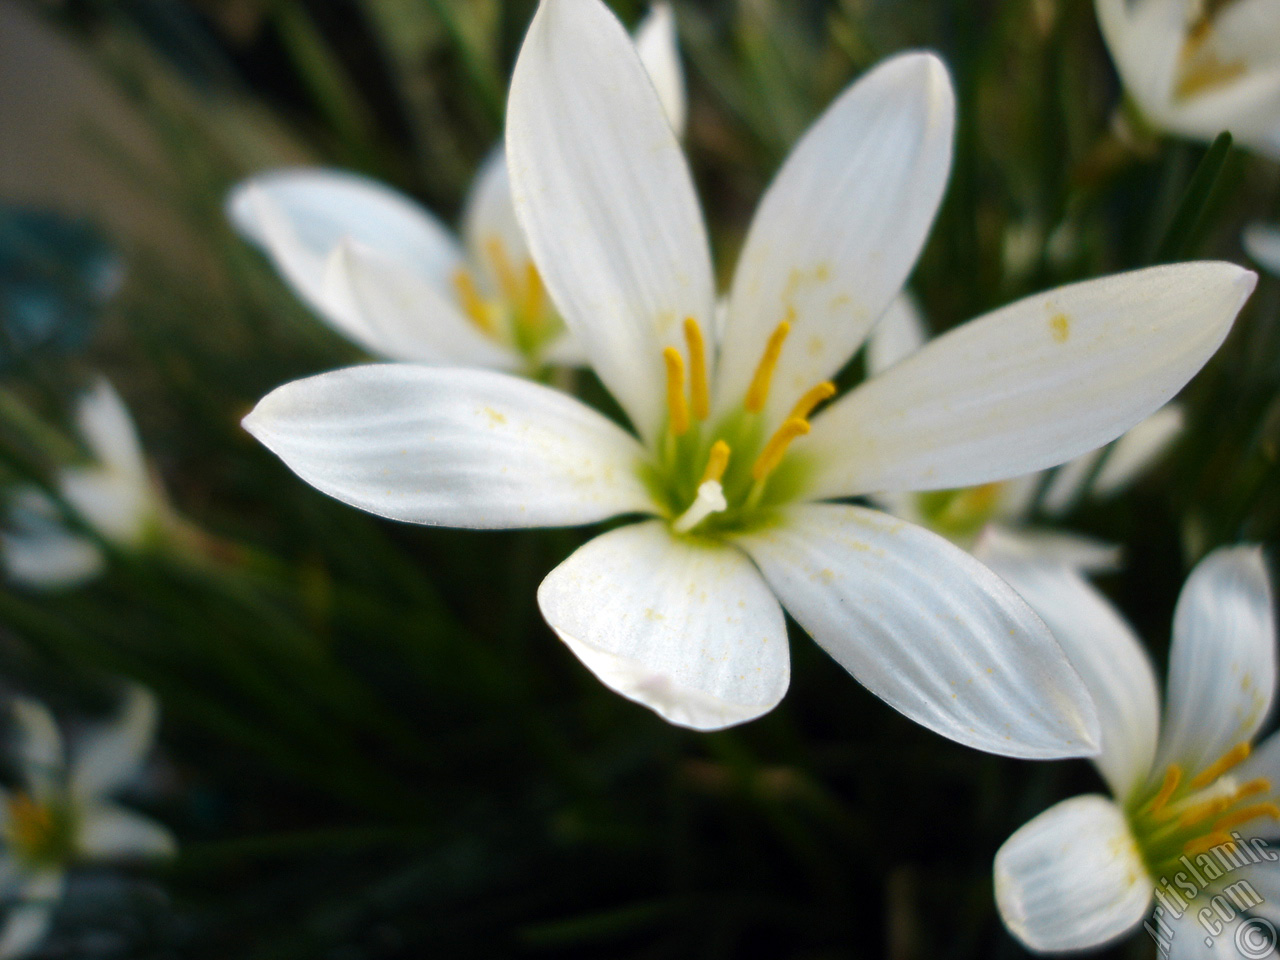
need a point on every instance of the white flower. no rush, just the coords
(61, 814)
(1262, 242)
(1085, 871)
(1198, 67)
(116, 496)
(683, 612)
(992, 518)
(385, 273)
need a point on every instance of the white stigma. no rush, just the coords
(710, 500)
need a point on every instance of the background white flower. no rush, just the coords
(384, 272)
(116, 496)
(1084, 872)
(994, 517)
(61, 815)
(684, 613)
(1262, 242)
(1195, 68)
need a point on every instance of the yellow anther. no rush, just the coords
(30, 823)
(1204, 811)
(473, 305)
(1245, 814)
(717, 462)
(699, 391)
(534, 301)
(506, 275)
(676, 406)
(758, 392)
(776, 448)
(1252, 788)
(815, 395)
(1172, 777)
(1236, 755)
(1203, 844)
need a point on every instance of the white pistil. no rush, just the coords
(710, 500)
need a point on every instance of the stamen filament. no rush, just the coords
(776, 448)
(699, 390)
(758, 392)
(1245, 814)
(473, 305)
(1172, 777)
(508, 279)
(1204, 811)
(717, 462)
(1236, 755)
(534, 299)
(676, 405)
(815, 395)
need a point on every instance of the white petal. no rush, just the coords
(1072, 878)
(1262, 242)
(25, 926)
(1023, 544)
(118, 506)
(1247, 30)
(404, 317)
(50, 560)
(656, 42)
(1068, 482)
(1031, 385)
(840, 228)
(39, 745)
(928, 629)
(1222, 662)
(684, 627)
(897, 335)
(1248, 107)
(107, 428)
(1146, 39)
(1138, 450)
(1110, 660)
(466, 448)
(489, 217)
(299, 216)
(111, 832)
(606, 200)
(110, 757)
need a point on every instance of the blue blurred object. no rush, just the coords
(56, 275)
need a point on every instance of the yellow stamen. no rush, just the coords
(776, 448)
(1202, 844)
(472, 303)
(717, 462)
(679, 410)
(699, 392)
(534, 301)
(30, 822)
(758, 392)
(1236, 755)
(1204, 811)
(503, 271)
(1172, 777)
(823, 391)
(1252, 788)
(1245, 814)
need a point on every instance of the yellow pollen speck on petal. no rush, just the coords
(1172, 777)
(1245, 814)
(758, 392)
(717, 462)
(815, 395)
(473, 305)
(1236, 755)
(676, 405)
(776, 448)
(699, 388)
(1060, 327)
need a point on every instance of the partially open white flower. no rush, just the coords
(60, 815)
(385, 273)
(1198, 67)
(1189, 802)
(116, 496)
(683, 612)
(1262, 242)
(993, 518)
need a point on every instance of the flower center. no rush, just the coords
(1188, 818)
(518, 312)
(703, 479)
(1201, 69)
(37, 832)
(960, 515)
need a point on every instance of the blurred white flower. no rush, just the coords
(1085, 871)
(993, 518)
(1198, 67)
(61, 815)
(1262, 242)
(683, 613)
(116, 496)
(386, 274)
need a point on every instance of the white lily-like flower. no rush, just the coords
(992, 518)
(116, 496)
(385, 273)
(1188, 798)
(1262, 242)
(61, 814)
(1197, 67)
(682, 612)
